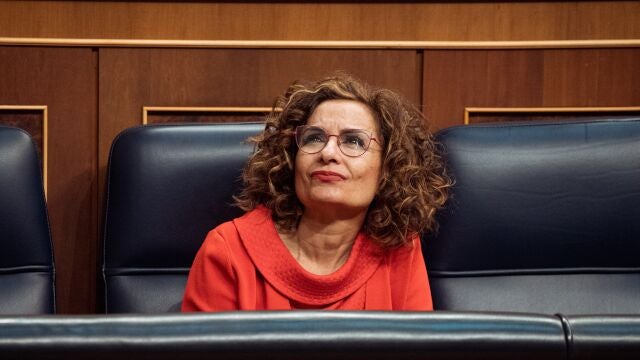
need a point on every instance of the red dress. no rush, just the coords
(244, 265)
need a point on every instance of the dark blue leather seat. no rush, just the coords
(167, 186)
(603, 337)
(544, 217)
(26, 256)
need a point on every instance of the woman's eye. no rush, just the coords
(313, 138)
(354, 140)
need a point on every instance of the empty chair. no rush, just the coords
(26, 257)
(544, 217)
(167, 186)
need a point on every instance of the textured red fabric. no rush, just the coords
(244, 265)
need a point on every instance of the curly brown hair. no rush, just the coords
(413, 185)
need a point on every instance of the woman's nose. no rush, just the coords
(331, 149)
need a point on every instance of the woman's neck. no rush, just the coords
(321, 245)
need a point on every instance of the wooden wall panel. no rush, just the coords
(456, 79)
(314, 20)
(64, 79)
(204, 115)
(488, 115)
(592, 77)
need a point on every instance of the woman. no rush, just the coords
(342, 181)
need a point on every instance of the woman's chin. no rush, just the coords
(335, 205)
(335, 198)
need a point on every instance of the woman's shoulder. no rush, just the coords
(230, 238)
(225, 230)
(254, 224)
(249, 219)
(256, 217)
(230, 234)
(408, 250)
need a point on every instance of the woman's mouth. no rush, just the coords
(327, 176)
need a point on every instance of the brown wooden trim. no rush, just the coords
(212, 109)
(45, 135)
(514, 110)
(277, 44)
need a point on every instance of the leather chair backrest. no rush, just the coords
(544, 217)
(167, 186)
(26, 256)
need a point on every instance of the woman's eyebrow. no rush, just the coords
(356, 129)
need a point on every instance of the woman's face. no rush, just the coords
(330, 181)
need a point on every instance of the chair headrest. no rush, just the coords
(24, 226)
(168, 185)
(540, 196)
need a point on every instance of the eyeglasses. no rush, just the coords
(352, 142)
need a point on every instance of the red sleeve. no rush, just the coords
(418, 293)
(212, 280)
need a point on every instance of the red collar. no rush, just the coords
(278, 267)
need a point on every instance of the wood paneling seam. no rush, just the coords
(277, 44)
